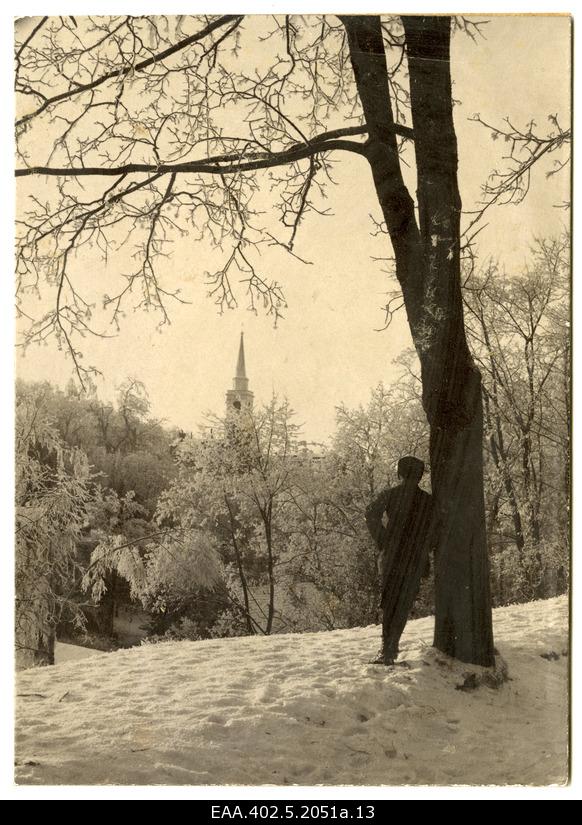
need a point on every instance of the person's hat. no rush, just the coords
(410, 467)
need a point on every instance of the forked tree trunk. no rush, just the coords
(428, 269)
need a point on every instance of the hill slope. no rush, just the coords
(302, 709)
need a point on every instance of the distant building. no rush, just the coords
(240, 397)
(312, 449)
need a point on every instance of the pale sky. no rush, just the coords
(327, 350)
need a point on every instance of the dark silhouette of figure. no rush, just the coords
(400, 520)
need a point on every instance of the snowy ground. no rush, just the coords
(301, 709)
(73, 653)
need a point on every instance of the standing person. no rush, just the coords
(400, 520)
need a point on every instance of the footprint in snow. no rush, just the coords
(216, 719)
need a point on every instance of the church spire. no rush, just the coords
(240, 396)
(240, 364)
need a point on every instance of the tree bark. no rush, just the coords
(428, 270)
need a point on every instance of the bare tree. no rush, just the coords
(153, 127)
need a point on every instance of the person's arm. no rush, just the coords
(374, 514)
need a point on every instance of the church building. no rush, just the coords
(240, 397)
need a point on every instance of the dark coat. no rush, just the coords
(404, 542)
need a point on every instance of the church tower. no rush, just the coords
(240, 397)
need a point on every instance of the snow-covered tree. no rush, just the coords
(235, 482)
(519, 331)
(332, 549)
(53, 494)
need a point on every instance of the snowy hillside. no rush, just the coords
(302, 709)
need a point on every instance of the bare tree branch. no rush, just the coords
(121, 72)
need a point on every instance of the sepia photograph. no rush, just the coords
(292, 405)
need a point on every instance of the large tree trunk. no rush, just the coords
(428, 270)
(463, 626)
